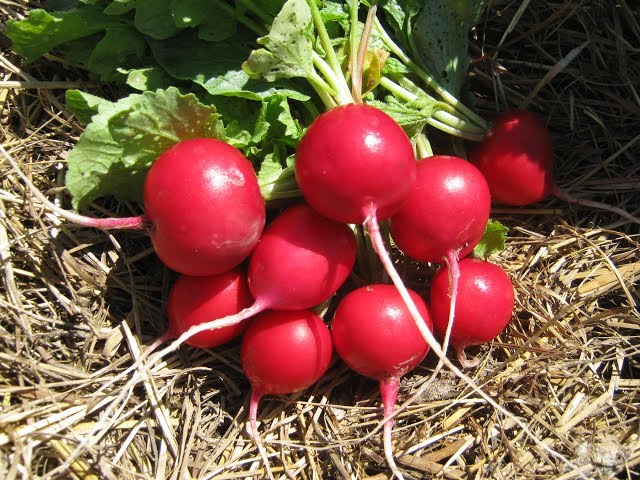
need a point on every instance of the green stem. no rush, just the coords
(429, 80)
(423, 146)
(337, 82)
(324, 90)
(325, 41)
(433, 120)
(356, 75)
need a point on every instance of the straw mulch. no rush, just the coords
(77, 305)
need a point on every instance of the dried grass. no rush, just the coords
(78, 305)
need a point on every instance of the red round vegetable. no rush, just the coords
(446, 211)
(354, 158)
(204, 204)
(283, 352)
(301, 260)
(375, 335)
(516, 158)
(483, 309)
(195, 300)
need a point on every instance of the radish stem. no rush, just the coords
(389, 393)
(139, 222)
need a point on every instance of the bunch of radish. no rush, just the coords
(239, 276)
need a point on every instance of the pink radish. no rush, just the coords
(483, 308)
(375, 334)
(516, 157)
(283, 352)
(195, 300)
(203, 207)
(444, 216)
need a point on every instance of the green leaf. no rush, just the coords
(95, 166)
(84, 105)
(119, 7)
(198, 14)
(411, 116)
(288, 48)
(154, 18)
(215, 66)
(275, 122)
(41, 31)
(151, 78)
(124, 138)
(159, 120)
(492, 241)
(120, 47)
(440, 33)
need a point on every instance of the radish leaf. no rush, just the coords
(492, 241)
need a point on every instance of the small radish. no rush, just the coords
(446, 212)
(483, 309)
(516, 157)
(283, 352)
(445, 215)
(375, 334)
(203, 207)
(195, 300)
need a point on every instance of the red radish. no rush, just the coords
(195, 300)
(447, 210)
(203, 207)
(355, 161)
(283, 352)
(444, 217)
(375, 334)
(483, 308)
(516, 157)
(204, 203)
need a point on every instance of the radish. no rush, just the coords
(375, 334)
(516, 158)
(283, 352)
(444, 217)
(195, 300)
(204, 204)
(203, 207)
(483, 309)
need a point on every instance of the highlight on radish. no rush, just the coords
(375, 334)
(484, 305)
(516, 157)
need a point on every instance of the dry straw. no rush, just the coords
(77, 306)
